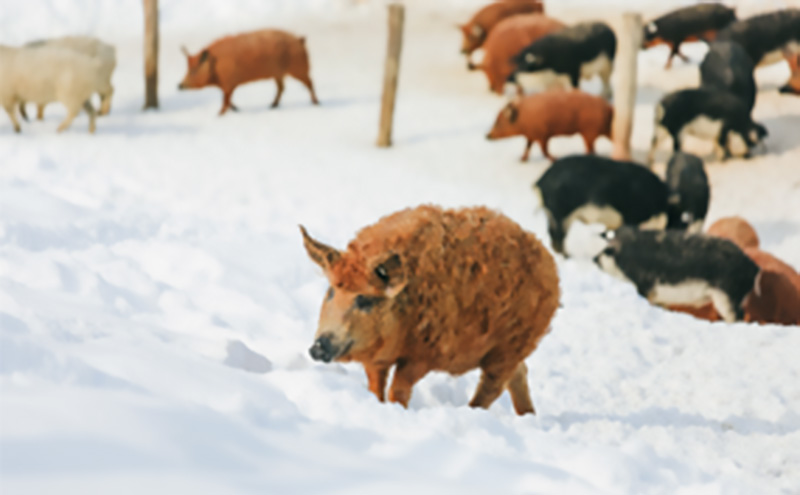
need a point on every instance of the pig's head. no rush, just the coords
(358, 318)
(530, 60)
(506, 123)
(200, 71)
(474, 36)
(651, 36)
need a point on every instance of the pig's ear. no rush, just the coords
(512, 112)
(321, 254)
(390, 276)
(203, 57)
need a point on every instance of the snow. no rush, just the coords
(156, 304)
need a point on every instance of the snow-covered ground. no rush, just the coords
(156, 304)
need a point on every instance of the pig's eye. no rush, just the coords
(329, 295)
(609, 251)
(366, 303)
(382, 274)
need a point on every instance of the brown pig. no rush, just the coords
(242, 58)
(507, 39)
(427, 289)
(477, 28)
(557, 112)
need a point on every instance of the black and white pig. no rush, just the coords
(675, 268)
(596, 189)
(767, 38)
(687, 202)
(579, 52)
(728, 67)
(692, 23)
(710, 114)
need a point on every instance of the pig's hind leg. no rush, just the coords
(495, 376)
(87, 105)
(277, 100)
(303, 78)
(520, 393)
(72, 112)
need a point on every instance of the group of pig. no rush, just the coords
(517, 39)
(654, 235)
(720, 108)
(71, 69)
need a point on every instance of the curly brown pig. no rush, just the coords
(477, 28)
(428, 289)
(557, 112)
(507, 39)
(246, 57)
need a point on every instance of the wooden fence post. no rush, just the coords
(150, 54)
(625, 65)
(391, 73)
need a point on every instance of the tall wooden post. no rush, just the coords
(391, 73)
(150, 54)
(625, 66)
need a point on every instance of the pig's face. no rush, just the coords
(651, 36)
(505, 124)
(473, 37)
(358, 317)
(530, 61)
(200, 70)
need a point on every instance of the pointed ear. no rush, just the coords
(321, 254)
(203, 57)
(512, 111)
(390, 275)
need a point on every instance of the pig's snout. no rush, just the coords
(322, 350)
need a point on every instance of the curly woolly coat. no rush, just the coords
(429, 289)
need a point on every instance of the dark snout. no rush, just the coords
(322, 350)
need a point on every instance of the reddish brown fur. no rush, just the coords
(776, 301)
(507, 39)
(736, 230)
(793, 85)
(769, 262)
(463, 289)
(242, 58)
(704, 312)
(484, 20)
(557, 112)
